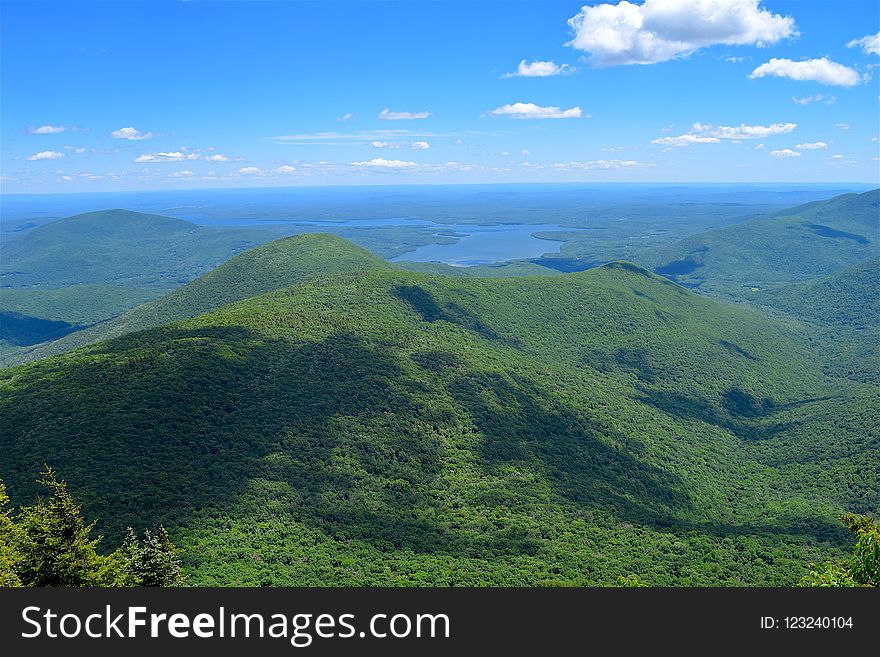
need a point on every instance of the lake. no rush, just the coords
(479, 245)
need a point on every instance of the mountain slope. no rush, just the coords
(275, 265)
(843, 310)
(803, 243)
(121, 248)
(398, 428)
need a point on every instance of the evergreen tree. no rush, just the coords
(54, 541)
(9, 555)
(50, 544)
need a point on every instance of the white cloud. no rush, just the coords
(249, 171)
(785, 152)
(821, 70)
(48, 130)
(532, 111)
(46, 155)
(842, 126)
(79, 150)
(814, 146)
(526, 151)
(348, 116)
(743, 131)
(759, 147)
(601, 164)
(591, 164)
(685, 140)
(186, 173)
(734, 60)
(216, 157)
(870, 44)
(415, 145)
(382, 163)
(660, 30)
(701, 133)
(388, 115)
(285, 168)
(538, 69)
(173, 156)
(816, 98)
(132, 134)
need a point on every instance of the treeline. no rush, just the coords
(50, 544)
(860, 569)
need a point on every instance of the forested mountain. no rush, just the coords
(794, 246)
(843, 310)
(119, 247)
(82, 270)
(386, 427)
(279, 264)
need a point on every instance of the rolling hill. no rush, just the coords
(394, 428)
(794, 246)
(275, 265)
(843, 311)
(119, 247)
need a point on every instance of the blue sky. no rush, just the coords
(176, 95)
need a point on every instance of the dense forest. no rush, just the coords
(390, 428)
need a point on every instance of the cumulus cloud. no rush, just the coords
(685, 140)
(842, 126)
(382, 163)
(532, 111)
(601, 164)
(348, 116)
(785, 152)
(590, 164)
(388, 115)
(870, 44)
(701, 133)
(538, 69)
(815, 98)
(79, 150)
(173, 156)
(415, 145)
(744, 131)
(46, 155)
(813, 146)
(48, 130)
(285, 168)
(216, 157)
(130, 133)
(660, 30)
(249, 171)
(823, 71)
(186, 173)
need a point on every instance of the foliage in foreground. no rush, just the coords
(862, 568)
(50, 544)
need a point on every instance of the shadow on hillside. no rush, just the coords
(740, 413)
(522, 425)
(181, 421)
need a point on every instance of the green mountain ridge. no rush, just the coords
(793, 246)
(387, 428)
(843, 311)
(119, 247)
(275, 265)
